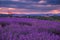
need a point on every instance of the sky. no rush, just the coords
(30, 6)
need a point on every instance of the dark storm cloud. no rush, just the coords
(55, 2)
(45, 9)
(31, 6)
(22, 0)
(34, 0)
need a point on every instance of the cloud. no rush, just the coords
(22, 0)
(15, 0)
(42, 1)
(54, 2)
(30, 6)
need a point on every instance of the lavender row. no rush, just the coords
(21, 28)
(31, 36)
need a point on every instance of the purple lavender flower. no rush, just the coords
(29, 29)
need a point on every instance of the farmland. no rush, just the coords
(13, 28)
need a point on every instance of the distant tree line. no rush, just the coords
(35, 17)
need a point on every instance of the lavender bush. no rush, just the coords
(28, 29)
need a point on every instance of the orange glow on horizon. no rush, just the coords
(20, 11)
(11, 8)
(0, 8)
(55, 11)
(7, 8)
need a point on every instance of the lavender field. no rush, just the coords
(28, 29)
